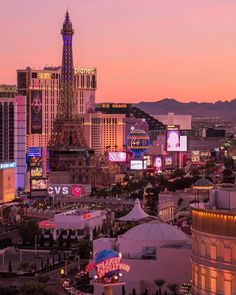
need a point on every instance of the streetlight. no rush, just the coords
(35, 245)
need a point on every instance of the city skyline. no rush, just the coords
(161, 39)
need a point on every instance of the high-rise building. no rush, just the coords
(13, 132)
(41, 87)
(104, 132)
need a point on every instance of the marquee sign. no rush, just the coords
(107, 264)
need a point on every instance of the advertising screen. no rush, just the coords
(148, 159)
(157, 163)
(172, 140)
(36, 172)
(36, 111)
(138, 164)
(117, 156)
(34, 152)
(195, 156)
(183, 144)
(39, 184)
(168, 161)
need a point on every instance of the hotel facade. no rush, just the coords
(214, 244)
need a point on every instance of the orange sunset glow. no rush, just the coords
(143, 50)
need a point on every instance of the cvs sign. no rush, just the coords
(58, 190)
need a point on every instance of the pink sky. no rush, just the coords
(144, 50)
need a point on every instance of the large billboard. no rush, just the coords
(183, 144)
(138, 164)
(169, 161)
(157, 163)
(39, 184)
(69, 190)
(173, 140)
(117, 156)
(36, 111)
(36, 172)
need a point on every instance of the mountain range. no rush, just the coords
(226, 109)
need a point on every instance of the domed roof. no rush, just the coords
(155, 232)
(202, 183)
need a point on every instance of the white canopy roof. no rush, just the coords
(135, 214)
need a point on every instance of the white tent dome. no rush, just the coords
(155, 232)
(135, 214)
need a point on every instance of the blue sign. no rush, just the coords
(34, 152)
(138, 142)
(7, 165)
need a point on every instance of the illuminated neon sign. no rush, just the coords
(85, 70)
(107, 264)
(110, 265)
(8, 165)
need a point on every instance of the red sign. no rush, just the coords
(86, 215)
(76, 190)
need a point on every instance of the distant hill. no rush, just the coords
(225, 109)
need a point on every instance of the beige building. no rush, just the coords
(41, 87)
(152, 250)
(104, 132)
(7, 181)
(214, 245)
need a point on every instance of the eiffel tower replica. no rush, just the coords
(68, 150)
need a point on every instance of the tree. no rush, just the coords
(173, 288)
(60, 241)
(228, 176)
(50, 241)
(42, 264)
(6, 213)
(68, 241)
(35, 289)
(11, 290)
(41, 240)
(178, 173)
(28, 231)
(84, 248)
(59, 257)
(210, 167)
(9, 267)
(94, 233)
(159, 283)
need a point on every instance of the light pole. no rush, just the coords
(35, 245)
(20, 255)
(3, 258)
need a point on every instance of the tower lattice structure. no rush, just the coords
(67, 126)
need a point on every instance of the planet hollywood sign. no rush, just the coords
(108, 267)
(112, 264)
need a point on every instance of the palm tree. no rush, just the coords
(173, 288)
(159, 283)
